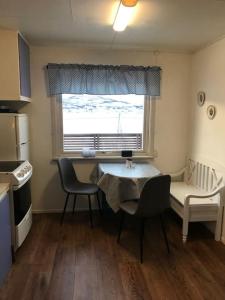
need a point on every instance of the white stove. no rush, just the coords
(15, 172)
(18, 174)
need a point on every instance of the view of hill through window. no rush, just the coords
(88, 114)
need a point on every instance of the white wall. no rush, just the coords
(207, 137)
(171, 114)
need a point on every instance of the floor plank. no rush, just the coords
(75, 262)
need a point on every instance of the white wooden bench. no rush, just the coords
(197, 194)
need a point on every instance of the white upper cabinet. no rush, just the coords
(14, 67)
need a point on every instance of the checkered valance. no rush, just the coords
(103, 79)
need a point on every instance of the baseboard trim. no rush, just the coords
(46, 211)
(58, 211)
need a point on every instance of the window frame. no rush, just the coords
(57, 133)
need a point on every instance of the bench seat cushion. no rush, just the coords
(179, 190)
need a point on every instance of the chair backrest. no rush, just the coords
(67, 173)
(155, 196)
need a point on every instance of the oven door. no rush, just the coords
(22, 212)
(22, 202)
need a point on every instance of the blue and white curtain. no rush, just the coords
(103, 79)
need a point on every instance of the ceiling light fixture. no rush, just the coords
(124, 14)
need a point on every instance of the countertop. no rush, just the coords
(4, 187)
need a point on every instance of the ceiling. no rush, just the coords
(177, 25)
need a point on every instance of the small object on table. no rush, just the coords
(129, 163)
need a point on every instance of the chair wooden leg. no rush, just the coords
(64, 209)
(99, 204)
(121, 225)
(90, 210)
(164, 233)
(74, 202)
(142, 230)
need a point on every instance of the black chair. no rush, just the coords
(154, 200)
(72, 186)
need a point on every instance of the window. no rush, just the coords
(107, 124)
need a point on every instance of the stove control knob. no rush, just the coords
(20, 174)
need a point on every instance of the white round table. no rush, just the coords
(138, 170)
(120, 183)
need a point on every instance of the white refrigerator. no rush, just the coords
(14, 137)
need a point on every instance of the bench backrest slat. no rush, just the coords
(204, 176)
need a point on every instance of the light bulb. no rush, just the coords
(123, 17)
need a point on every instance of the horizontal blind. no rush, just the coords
(102, 142)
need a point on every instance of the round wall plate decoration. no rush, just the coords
(201, 98)
(211, 111)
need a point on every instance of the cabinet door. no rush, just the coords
(24, 62)
(5, 238)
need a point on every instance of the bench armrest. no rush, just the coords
(178, 176)
(213, 193)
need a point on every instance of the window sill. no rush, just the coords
(107, 157)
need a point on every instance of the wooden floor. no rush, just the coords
(75, 262)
